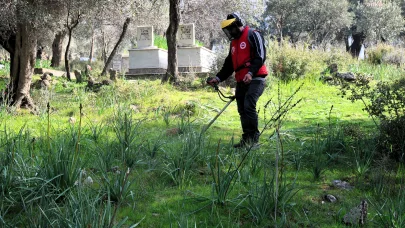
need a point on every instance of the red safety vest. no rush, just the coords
(241, 55)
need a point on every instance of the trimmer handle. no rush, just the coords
(215, 85)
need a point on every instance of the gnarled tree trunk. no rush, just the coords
(57, 48)
(22, 68)
(70, 27)
(124, 31)
(91, 47)
(171, 33)
(67, 67)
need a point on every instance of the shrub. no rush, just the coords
(396, 57)
(290, 63)
(376, 54)
(392, 138)
(385, 102)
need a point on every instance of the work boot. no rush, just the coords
(247, 144)
(240, 144)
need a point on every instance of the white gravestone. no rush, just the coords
(144, 37)
(362, 53)
(117, 62)
(186, 35)
(146, 58)
(190, 57)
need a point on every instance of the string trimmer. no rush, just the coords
(223, 98)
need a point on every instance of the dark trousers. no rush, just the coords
(246, 98)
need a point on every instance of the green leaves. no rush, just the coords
(379, 22)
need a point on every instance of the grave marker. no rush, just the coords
(186, 35)
(145, 37)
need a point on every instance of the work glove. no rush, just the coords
(212, 81)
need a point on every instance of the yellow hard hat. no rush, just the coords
(228, 22)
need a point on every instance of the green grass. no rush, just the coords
(161, 42)
(154, 130)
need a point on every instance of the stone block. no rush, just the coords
(151, 60)
(194, 59)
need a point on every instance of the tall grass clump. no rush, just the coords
(268, 196)
(224, 174)
(116, 186)
(183, 156)
(86, 208)
(363, 152)
(61, 166)
(127, 131)
(390, 211)
(152, 149)
(325, 149)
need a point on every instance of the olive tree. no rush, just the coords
(317, 20)
(21, 24)
(207, 21)
(379, 22)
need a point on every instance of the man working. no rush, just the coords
(246, 58)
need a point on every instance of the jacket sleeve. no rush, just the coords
(258, 52)
(227, 68)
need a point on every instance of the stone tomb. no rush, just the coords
(146, 58)
(190, 57)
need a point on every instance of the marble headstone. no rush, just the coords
(145, 37)
(117, 62)
(186, 35)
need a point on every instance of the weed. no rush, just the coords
(96, 130)
(151, 149)
(390, 212)
(117, 186)
(126, 130)
(61, 167)
(317, 151)
(363, 151)
(269, 196)
(223, 182)
(180, 161)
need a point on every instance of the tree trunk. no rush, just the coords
(124, 31)
(70, 27)
(91, 47)
(171, 35)
(67, 67)
(104, 51)
(22, 68)
(358, 40)
(57, 48)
